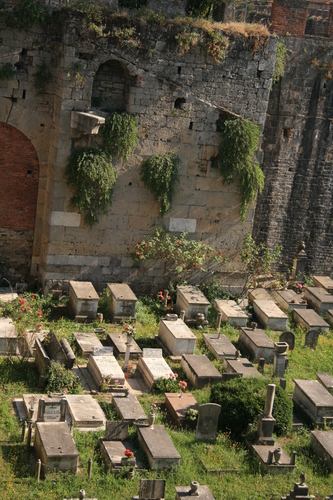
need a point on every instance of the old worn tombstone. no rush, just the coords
(256, 344)
(208, 419)
(300, 491)
(220, 346)
(311, 338)
(299, 263)
(176, 336)
(231, 312)
(51, 411)
(85, 411)
(152, 366)
(289, 338)
(104, 365)
(199, 370)
(326, 380)
(158, 446)
(83, 299)
(123, 301)
(191, 300)
(114, 454)
(319, 299)
(280, 359)
(329, 316)
(116, 430)
(310, 320)
(179, 404)
(260, 294)
(86, 343)
(265, 420)
(313, 402)
(8, 337)
(288, 300)
(195, 490)
(240, 367)
(323, 282)
(153, 489)
(119, 343)
(322, 444)
(128, 408)
(270, 315)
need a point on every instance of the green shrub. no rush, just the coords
(119, 135)
(242, 400)
(58, 379)
(280, 61)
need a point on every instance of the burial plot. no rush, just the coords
(85, 412)
(270, 315)
(322, 444)
(114, 445)
(319, 299)
(152, 366)
(220, 346)
(59, 350)
(289, 338)
(123, 301)
(191, 300)
(128, 408)
(326, 380)
(51, 411)
(101, 366)
(241, 367)
(176, 336)
(260, 294)
(313, 402)
(86, 343)
(160, 450)
(119, 341)
(311, 320)
(288, 300)
(83, 299)
(300, 491)
(153, 489)
(31, 401)
(8, 337)
(257, 344)
(41, 358)
(199, 370)
(329, 316)
(30, 340)
(195, 490)
(324, 282)
(231, 312)
(208, 420)
(179, 404)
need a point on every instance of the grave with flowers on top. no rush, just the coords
(152, 367)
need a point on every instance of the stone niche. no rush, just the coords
(176, 336)
(111, 87)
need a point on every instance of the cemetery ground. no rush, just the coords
(240, 475)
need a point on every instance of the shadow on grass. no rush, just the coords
(15, 371)
(20, 460)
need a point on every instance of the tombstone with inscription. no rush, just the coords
(208, 420)
(86, 343)
(151, 489)
(289, 338)
(152, 366)
(51, 411)
(83, 299)
(191, 300)
(117, 452)
(176, 336)
(102, 365)
(123, 301)
(195, 490)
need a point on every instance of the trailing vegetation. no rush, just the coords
(159, 174)
(280, 61)
(58, 379)
(120, 135)
(240, 141)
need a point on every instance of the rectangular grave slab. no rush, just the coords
(101, 367)
(326, 380)
(41, 358)
(184, 493)
(178, 406)
(159, 448)
(83, 299)
(32, 401)
(241, 366)
(86, 343)
(329, 316)
(322, 444)
(260, 294)
(118, 342)
(220, 346)
(288, 300)
(128, 408)
(8, 337)
(176, 337)
(310, 319)
(319, 299)
(123, 300)
(231, 312)
(256, 344)
(151, 369)
(55, 447)
(191, 300)
(324, 282)
(113, 452)
(262, 454)
(312, 401)
(270, 315)
(199, 370)
(85, 411)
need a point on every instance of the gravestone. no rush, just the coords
(31, 401)
(123, 301)
(270, 315)
(176, 336)
(256, 344)
(280, 359)
(220, 346)
(324, 282)
(326, 380)
(288, 300)
(105, 365)
(83, 299)
(85, 411)
(265, 420)
(231, 312)
(179, 404)
(194, 491)
(208, 420)
(114, 453)
(159, 448)
(152, 366)
(42, 359)
(199, 370)
(119, 343)
(8, 337)
(152, 353)
(311, 338)
(289, 338)
(191, 300)
(59, 350)
(86, 343)
(310, 319)
(116, 431)
(241, 367)
(152, 489)
(128, 408)
(313, 402)
(322, 444)
(300, 491)
(260, 294)
(319, 299)
(51, 411)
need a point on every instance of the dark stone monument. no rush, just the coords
(311, 338)
(116, 431)
(208, 419)
(54, 411)
(288, 337)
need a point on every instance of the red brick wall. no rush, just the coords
(18, 180)
(289, 16)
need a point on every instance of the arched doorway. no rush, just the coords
(19, 171)
(111, 86)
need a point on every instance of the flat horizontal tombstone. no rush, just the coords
(199, 370)
(114, 452)
(257, 344)
(241, 366)
(85, 411)
(31, 401)
(313, 402)
(176, 336)
(179, 404)
(158, 446)
(104, 365)
(324, 282)
(260, 294)
(116, 431)
(86, 343)
(231, 312)
(310, 319)
(270, 315)
(220, 346)
(123, 301)
(288, 300)
(51, 411)
(329, 316)
(322, 444)
(118, 342)
(194, 491)
(83, 299)
(8, 337)
(208, 420)
(319, 299)
(152, 366)
(191, 300)
(326, 380)
(55, 447)
(289, 338)
(267, 455)
(128, 408)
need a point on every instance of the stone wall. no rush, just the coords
(289, 16)
(168, 6)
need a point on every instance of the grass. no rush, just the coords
(17, 464)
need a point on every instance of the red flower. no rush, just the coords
(39, 325)
(160, 293)
(145, 244)
(220, 252)
(179, 243)
(171, 375)
(181, 263)
(20, 317)
(137, 246)
(40, 313)
(24, 335)
(136, 253)
(33, 297)
(166, 385)
(23, 308)
(129, 453)
(22, 301)
(139, 256)
(195, 265)
(300, 285)
(176, 375)
(169, 297)
(171, 308)
(29, 308)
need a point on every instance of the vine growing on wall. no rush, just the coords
(240, 141)
(120, 134)
(213, 41)
(280, 61)
(159, 174)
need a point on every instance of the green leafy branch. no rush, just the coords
(120, 134)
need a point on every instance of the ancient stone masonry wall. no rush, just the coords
(289, 16)
(297, 202)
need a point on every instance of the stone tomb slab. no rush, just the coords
(184, 493)
(270, 315)
(176, 336)
(260, 294)
(191, 300)
(322, 444)
(116, 431)
(128, 408)
(113, 452)
(86, 343)
(326, 380)
(151, 369)
(288, 300)
(262, 453)
(178, 406)
(199, 370)
(241, 366)
(83, 299)
(231, 312)
(118, 342)
(318, 281)
(55, 447)
(319, 299)
(8, 337)
(310, 319)
(312, 401)
(32, 401)
(257, 344)
(123, 300)
(103, 366)
(85, 411)
(220, 346)
(159, 448)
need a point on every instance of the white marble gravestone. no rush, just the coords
(105, 365)
(176, 336)
(231, 312)
(152, 366)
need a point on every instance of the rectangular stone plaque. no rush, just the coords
(103, 351)
(208, 419)
(51, 411)
(116, 431)
(152, 488)
(152, 353)
(181, 225)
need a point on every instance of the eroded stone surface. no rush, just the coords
(269, 314)
(177, 337)
(199, 370)
(220, 346)
(87, 342)
(231, 312)
(129, 408)
(159, 456)
(257, 344)
(310, 319)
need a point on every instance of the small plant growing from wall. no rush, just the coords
(280, 61)
(159, 174)
(240, 141)
(120, 135)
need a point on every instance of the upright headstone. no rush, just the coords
(152, 489)
(288, 337)
(116, 430)
(51, 411)
(311, 338)
(208, 419)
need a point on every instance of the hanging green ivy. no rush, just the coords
(159, 174)
(240, 141)
(90, 173)
(120, 134)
